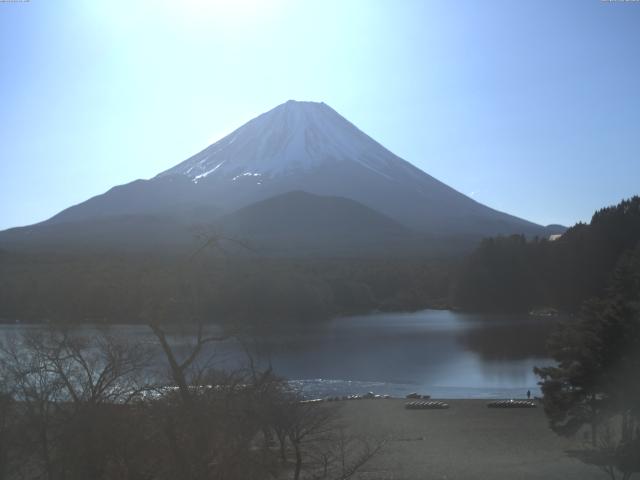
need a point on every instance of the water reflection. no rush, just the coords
(512, 339)
(441, 352)
(444, 353)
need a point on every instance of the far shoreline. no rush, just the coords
(543, 313)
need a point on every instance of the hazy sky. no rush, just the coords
(531, 107)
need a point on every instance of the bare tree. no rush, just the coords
(322, 446)
(211, 419)
(71, 396)
(182, 370)
(7, 428)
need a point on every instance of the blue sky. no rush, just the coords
(531, 107)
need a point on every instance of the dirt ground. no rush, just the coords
(467, 441)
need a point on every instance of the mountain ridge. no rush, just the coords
(308, 147)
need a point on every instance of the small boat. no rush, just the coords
(417, 396)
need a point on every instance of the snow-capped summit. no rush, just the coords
(302, 147)
(292, 138)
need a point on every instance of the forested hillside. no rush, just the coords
(133, 289)
(512, 274)
(516, 274)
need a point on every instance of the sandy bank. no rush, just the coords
(467, 441)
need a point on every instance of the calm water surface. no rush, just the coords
(442, 353)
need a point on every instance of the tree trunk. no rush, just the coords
(296, 475)
(44, 439)
(282, 439)
(178, 456)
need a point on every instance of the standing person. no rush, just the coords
(528, 394)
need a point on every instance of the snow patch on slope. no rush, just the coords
(205, 174)
(293, 137)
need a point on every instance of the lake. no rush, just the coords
(441, 353)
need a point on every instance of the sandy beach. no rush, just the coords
(466, 441)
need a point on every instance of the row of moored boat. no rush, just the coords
(432, 405)
(512, 404)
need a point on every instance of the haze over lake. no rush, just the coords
(442, 353)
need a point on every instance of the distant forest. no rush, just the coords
(504, 274)
(135, 289)
(513, 274)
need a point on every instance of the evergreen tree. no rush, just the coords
(597, 378)
(515, 274)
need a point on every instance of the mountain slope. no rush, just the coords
(308, 146)
(121, 233)
(311, 224)
(291, 224)
(296, 147)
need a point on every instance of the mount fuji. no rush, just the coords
(267, 181)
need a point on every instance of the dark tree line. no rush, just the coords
(596, 382)
(123, 289)
(517, 274)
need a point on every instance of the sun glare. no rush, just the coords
(229, 10)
